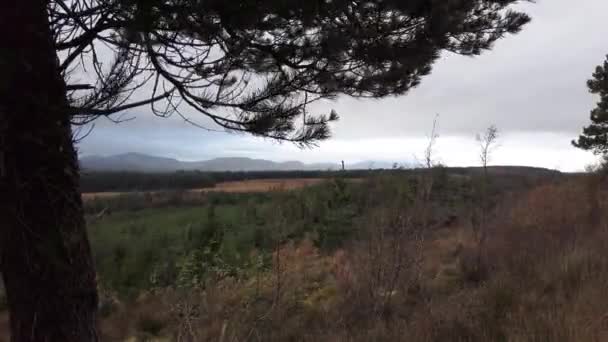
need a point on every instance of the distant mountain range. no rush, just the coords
(147, 163)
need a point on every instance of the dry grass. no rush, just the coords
(264, 185)
(545, 277)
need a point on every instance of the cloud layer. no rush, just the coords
(531, 86)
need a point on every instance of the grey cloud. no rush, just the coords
(534, 81)
(531, 82)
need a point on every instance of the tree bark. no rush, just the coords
(45, 255)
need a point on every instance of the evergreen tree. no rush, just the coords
(595, 136)
(245, 65)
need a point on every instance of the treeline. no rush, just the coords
(138, 181)
(124, 181)
(181, 180)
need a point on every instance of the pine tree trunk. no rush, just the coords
(46, 260)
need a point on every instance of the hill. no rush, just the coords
(146, 163)
(139, 162)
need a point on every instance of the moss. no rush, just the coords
(322, 298)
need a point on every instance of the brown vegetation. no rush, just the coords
(254, 185)
(263, 185)
(543, 277)
(410, 275)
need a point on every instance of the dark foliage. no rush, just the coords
(184, 180)
(136, 181)
(254, 66)
(595, 136)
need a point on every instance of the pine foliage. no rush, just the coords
(595, 136)
(255, 66)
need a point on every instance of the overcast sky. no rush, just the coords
(531, 86)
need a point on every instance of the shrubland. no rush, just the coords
(393, 257)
